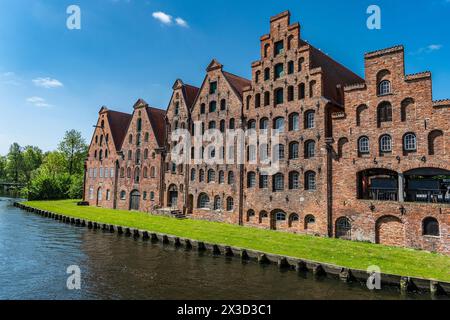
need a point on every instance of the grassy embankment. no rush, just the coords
(405, 262)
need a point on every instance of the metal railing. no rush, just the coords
(383, 195)
(428, 196)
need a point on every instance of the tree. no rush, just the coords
(15, 163)
(2, 168)
(32, 160)
(74, 148)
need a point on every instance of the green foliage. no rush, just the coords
(50, 176)
(74, 148)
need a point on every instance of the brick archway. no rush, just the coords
(390, 231)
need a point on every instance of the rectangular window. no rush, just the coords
(91, 192)
(264, 181)
(95, 172)
(112, 173)
(106, 172)
(101, 172)
(213, 87)
(108, 195)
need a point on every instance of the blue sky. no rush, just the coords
(53, 79)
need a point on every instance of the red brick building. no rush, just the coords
(360, 159)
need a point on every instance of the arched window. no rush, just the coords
(293, 218)
(360, 112)
(343, 228)
(203, 201)
(217, 203)
(145, 154)
(139, 125)
(138, 156)
(300, 64)
(263, 181)
(212, 106)
(310, 220)
(201, 175)
(384, 112)
(279, 96)
(231, 177)
(146, 137)
(408, 110)
(123, 195)
(290, 67)
(221, 177)
(384, 87)
(223, 103)
(290, 93)
(385, 144)
(410, 142)
(99, 194)
(100, 155)
(145, 172)
(431, 227)
(293, 150)
(257, 76)
(278, 182)
(310, 149)
(264, 124)
(266, 98)
(231, 124)
(257, 100)
(251, 124)
(222, 126)
(310, 181)
(290, 42)
(294, 181)
(251, 153)
(202, 108)
(266, 74)
(230, 204)
(310, 119)
(192, 174)
(130, 154)
(137, 175)
(266, 50)
(101, 140)
(130, 138)
(122, 172)
(211, 125)
(301, 91)
(279, 152)
(128, 173)
(250, 214)
(152, 172)
(251, 180)
(363, 145)
(278, 124)
(312, 87)
(211, 176)
(435, 142)
(294, 122)
(278, 71)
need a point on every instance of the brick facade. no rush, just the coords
(359, 159)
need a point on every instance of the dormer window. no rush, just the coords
(384, 88)
(213, 87)
(279, 48)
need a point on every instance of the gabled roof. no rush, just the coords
(158, 122)
(118, 123)
(334, 73)
(237, 83)
(190, 93)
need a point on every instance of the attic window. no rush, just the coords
(213, 87)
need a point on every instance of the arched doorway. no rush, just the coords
(134, 200)
(390, 231)
(172, 196)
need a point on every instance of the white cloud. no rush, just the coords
(9, 78)
(38, 102)
(181, 22)
(47, 83)
(162, 17)
(167, 19)
(428, 49)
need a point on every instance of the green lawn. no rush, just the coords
(355, 255)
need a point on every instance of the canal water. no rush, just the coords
(35, 253)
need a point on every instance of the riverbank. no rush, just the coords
(352, 255)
